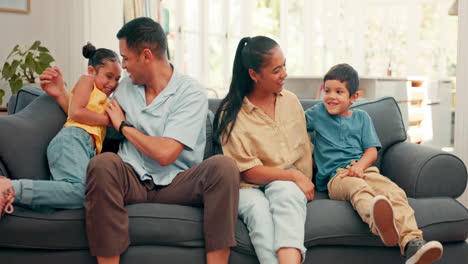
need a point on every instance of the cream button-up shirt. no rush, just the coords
(283, 143)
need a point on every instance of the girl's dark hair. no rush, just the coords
(96, 57)
(250, 54)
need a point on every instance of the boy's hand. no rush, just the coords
(305, 184)
(353, 171)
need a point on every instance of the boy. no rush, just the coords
(346, 146)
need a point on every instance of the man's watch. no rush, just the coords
(124, 123)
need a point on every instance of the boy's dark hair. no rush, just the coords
(96, 57)
(144, 33)
(251, 53)
(344, 73)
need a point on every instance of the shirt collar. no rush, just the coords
(171, 87)
(249, 107)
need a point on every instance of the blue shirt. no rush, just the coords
(338, 140)
(178, 112)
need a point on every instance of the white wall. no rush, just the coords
(461, 111)
(63, 27)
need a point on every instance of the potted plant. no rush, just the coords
(24, 66)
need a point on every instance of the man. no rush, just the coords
(164, 130)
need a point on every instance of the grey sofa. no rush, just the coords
(173, 234)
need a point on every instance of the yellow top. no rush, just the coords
(97, 103)
(281, 143)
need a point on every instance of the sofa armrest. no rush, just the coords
(24, 97)
(424, 171)
(24, 138)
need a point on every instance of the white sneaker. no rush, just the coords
(419, 251)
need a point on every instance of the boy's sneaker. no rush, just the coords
(382, 216)
(7, 196)
(419, 251)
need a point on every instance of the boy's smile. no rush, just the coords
(337, 99)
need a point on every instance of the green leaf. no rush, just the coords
(42, 49)
(15, 77)
(12, 70)
(45, 58)
(5, 70)
(9, 70)
(2, 93)
(15, 85)
(35, 45)
(40, 67)
(30, 63)
(15, 49)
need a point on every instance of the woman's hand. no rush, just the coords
(115, 113)
(305, 184)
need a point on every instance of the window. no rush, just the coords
(372, 35)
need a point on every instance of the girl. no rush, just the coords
(79, 140)
(263, 128)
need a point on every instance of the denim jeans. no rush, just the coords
(68, 154)
(275, 217)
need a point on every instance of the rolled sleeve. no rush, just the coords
(241, 153)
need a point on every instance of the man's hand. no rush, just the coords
(305, 184)
(115, 113)
(52, 82)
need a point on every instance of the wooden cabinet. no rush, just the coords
(418, 118)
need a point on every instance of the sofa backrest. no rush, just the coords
(26, 134)
(384, 113)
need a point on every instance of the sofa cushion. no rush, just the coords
(328, 222)
(25, 136)
(150, 224)
(336, 223)
(443, 219)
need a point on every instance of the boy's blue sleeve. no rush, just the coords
(309, 114)
(369, 135)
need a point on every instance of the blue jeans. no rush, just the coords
(68, 154)
(275, 217)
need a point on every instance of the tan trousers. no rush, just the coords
(361, 192)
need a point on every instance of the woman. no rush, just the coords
(263, 128)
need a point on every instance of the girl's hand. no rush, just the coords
(115, 113)
(52, 82)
